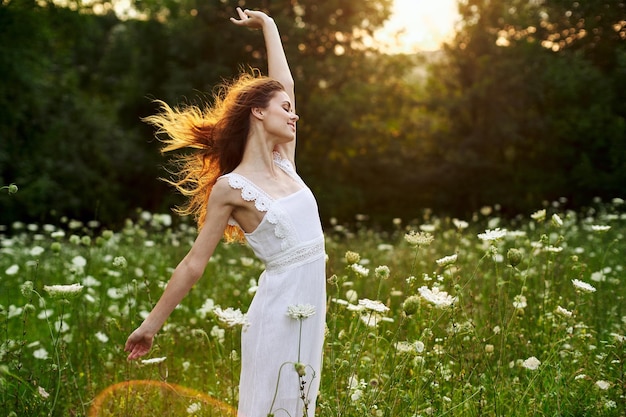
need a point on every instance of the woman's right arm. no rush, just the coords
(277, 65)
(187, 273)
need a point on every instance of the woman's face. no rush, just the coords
(279, 118)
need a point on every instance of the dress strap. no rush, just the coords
(250, 191)
(285, 165)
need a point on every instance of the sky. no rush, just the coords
(418, 25)
(415, 25)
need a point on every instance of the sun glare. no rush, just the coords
(418, 25)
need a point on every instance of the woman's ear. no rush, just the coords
(257, 112)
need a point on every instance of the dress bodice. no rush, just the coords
(290, 233)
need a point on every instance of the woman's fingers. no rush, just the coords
(248, 18)
(136, 351)
(242, 17)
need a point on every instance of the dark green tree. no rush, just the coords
(532, 117)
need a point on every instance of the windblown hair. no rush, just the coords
(214, 138)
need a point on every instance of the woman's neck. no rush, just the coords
(258, 156)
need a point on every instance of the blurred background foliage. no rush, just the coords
(526, 104)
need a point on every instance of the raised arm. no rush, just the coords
(278, 67)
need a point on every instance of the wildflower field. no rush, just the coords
(430, 317)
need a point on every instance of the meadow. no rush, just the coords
(427, 317)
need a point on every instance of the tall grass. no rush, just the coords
(441, 317)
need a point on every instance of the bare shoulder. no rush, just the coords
(223, 194)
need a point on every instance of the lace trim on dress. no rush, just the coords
(250, 192)
(283, 229)
(300, 255)
(285, 165)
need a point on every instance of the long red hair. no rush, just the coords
(214, 138)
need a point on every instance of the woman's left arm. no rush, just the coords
(278, 67)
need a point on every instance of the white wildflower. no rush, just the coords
(356, 395)
(300, 311)
(59, 234)
(79, 261)
(447, 260)
(90, 281)
(120, 262)
(371, 319)
(373, 305)
(40, 353)
(42, 392)
(246, 261)
(405, 347)
(618, 337)
(491, 235)
(206, 308)
(115, 293)
(218, 333)
(600, 228)
(563, 311)
(153, 360)
(539, 215)
(231, 317)
(12, 270)
(14, 311)
(352, 296)
(354, 307)
(552, 249)
(355, 383)
(598, 276)
(418, 238)
(45, 314)
(460, 224)
(36, 251)
(102, 337)
(519, 302)
(382, 272)
(583, 286)
(162, 219)
(194, 408)
(63, 291)
(441, 299)
(531, 363)
(352, 257)
(359, 269)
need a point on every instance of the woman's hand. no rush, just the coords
(138, 344)
(250, 18)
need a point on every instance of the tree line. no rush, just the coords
(526, 104)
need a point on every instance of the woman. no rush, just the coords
(241, 183)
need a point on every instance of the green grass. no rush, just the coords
(470, 358)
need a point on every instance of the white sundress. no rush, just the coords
(290, 242)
